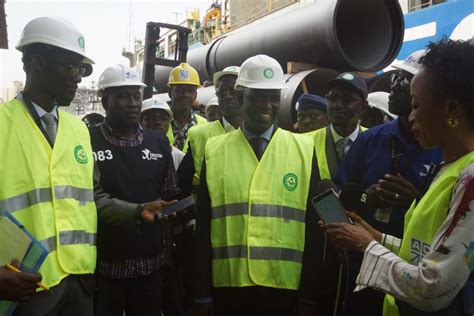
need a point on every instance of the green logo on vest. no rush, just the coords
(80, 155)
(290, 181)
(81, 42)
(268, 73)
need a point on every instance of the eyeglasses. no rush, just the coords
(223, 92)
(74, 70)
(400, 79)
(344, 98)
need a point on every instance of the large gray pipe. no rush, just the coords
(362, 35)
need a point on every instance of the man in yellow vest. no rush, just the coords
(260, 251)
(47, 167)
(183, 84)
(347, 101)
(189, 170)
(224, 83)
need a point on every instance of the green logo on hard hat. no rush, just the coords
(348, 77)
(290, 181)
(80, 155)
(268, 73)
(81, 42)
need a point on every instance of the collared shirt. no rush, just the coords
(178, 156)
(381, 150)
(444, 270)
(180, 135)
(115, 139)
(352, 137)
(134, 267)
(227, 126)
(267, 135)
(42, 112)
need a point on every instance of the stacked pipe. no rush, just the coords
(343, 35)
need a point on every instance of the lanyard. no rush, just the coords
(398, 158)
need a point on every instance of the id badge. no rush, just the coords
(383, 215)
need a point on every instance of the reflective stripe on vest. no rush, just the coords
(257, 253)
(423, 220)
(72, 237)
(258, 209)
(200, 121)
(265, 210)
(198, 136)
(43, 195)
(50, 190)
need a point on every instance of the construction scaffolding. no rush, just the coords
(3, 26)
(246, 11)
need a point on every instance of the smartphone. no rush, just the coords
(329, 208)
(181, 205)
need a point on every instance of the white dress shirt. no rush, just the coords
(42, 112)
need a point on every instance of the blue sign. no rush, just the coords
(453, 19)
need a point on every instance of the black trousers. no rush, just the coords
(178, 277)
(140, 296)
(72, 297)
(358, 302)
(254, 300)
(173, 296)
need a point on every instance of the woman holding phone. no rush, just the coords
(429, 271)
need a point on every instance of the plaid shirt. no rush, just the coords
(180, 135)
(134, 267)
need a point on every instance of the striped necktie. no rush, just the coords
(50, 122)
(340, 147)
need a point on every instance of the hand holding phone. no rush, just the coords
(329, 208)
(179, 206)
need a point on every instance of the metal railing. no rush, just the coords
(414, 5)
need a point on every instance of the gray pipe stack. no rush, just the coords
(362, 35)
(345, 35)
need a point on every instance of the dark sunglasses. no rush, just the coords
(399, 79)
(344, 98)
(73, 69)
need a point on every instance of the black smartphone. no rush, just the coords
(181, 205)
(329, 208)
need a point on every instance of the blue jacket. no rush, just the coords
(382, 150)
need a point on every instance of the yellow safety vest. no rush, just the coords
(423, 220)
(50, 191)
(319, 136)
(258, 209)
(200, 121)
(198, 136)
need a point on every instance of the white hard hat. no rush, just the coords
(379, 100)
(231, 70)
(260, 72)
(411, 63)
(119, 76)
(213, 101)
(156, 103)
(56, 32)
